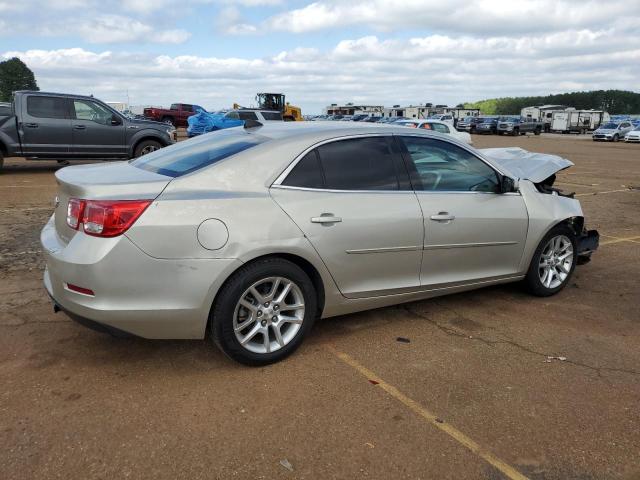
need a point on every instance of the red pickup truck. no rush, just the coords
(177, 115)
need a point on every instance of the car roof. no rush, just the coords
(54, 94)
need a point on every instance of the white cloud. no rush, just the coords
(481, 17)
(436, 68)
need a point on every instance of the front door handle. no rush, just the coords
(80, 127)
(326, 218)
(31, 125)
(442, 217)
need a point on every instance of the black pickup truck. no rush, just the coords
(54, 126)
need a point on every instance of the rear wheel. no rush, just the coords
(147, 146)
(553, 262)
(263, 312)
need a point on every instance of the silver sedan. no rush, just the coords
(253, 233)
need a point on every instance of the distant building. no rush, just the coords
(119, 106)
(351, 109)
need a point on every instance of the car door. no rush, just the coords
(96, 131)
(45, 127)
(472, 233)
(353, 201)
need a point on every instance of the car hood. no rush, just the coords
(525, 165)
(605, 130)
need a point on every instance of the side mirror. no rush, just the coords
(116, 120)
(507, 184)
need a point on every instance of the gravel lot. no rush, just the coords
(475, 393)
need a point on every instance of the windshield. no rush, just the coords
(186, 157)
(487, 120)
(637, 129)
(509, 119)
(609, 126)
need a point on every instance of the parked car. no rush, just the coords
(250, 234)
(633, 135)
(518, 126)
(5, 109)
(437, 126)
(468, 124)
(487, 125)
(444, 117)
(612, 131)
(176, 115)
(55, 126)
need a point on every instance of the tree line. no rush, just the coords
(615, 102)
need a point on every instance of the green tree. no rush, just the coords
(15, 75)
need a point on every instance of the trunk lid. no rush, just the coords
(519, 163)
(103, 181)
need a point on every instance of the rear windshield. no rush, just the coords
(272, 115)
(197, 153)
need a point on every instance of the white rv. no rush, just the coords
(542, 114)
(579, 121)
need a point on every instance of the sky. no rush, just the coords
(376, 52)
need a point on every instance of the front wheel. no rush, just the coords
(616, 138)
(263, 312)
(553, 262)
(145, 147)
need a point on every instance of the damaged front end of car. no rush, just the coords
(540, 169)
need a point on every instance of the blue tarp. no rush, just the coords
(203, 122)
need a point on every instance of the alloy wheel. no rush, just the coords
(148, 149)
(556, 261)
(268, 315)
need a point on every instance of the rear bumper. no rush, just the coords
(133, 292)
(588, 243)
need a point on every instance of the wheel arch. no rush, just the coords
(142, 138)
(306, 266)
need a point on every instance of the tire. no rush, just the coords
(537, 131)
(500, 132)
(146, 146)
(168, 120)
(615, 138)
(537, 282)
(516, 132)
(1, 162)
(228, 314)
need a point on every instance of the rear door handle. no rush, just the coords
(80, 127)
(31, 125)
(326, 218)
(442, 217)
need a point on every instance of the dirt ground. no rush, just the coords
(492, 384)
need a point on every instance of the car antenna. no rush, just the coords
(252, 124)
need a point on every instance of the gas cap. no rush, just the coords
(213, 234)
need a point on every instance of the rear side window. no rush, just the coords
(272, 115)
(47, 107)
(247, 116)
(186, 157)
(307, 173)
(358, 164)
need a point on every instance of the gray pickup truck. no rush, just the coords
(53, 126)
(518, 126)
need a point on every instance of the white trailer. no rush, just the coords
(579, 121)
(542, 114)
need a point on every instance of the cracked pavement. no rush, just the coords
(551, 386)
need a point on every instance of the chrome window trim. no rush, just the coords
(277, 183)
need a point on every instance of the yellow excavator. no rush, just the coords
(276, 101)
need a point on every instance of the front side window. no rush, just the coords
(47, 107)
(91, 111)
(441, 166)
(272, 115)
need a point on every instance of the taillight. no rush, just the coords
(104, 218)
(74, 212)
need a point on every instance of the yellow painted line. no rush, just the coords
(602, 193)
(429, 417)
(619, 240)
